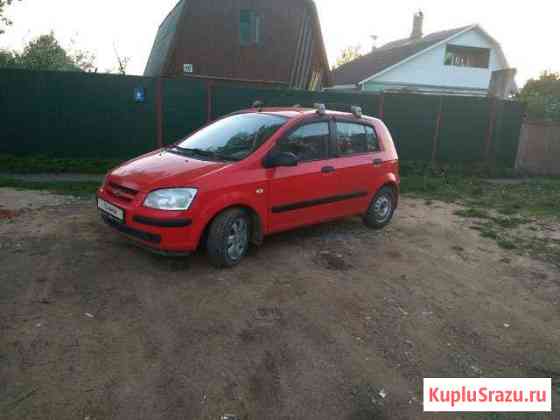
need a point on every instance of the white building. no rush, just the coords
(457, 61)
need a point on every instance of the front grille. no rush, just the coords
(127, 230)
(120, 192)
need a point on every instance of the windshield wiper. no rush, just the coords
(200, 152)
(227, 158)
(203, 153)
(175, 149)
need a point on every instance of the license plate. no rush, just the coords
(110, 209)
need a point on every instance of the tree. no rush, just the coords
(542, 96)
(122, 61)
(84, 59)
(348, 54)
(3, 19)
(45, 53)
(8, 59)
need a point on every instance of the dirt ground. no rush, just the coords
(330, 322)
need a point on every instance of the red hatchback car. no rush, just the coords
(251, 174)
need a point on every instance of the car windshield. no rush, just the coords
(231, 138)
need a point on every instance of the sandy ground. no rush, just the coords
(329, 322)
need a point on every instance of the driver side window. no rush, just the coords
(308, 142)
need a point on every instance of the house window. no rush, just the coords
(458, 56)
(250, 28)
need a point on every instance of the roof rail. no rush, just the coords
(258, 105)
(321, 108)
(357, 111)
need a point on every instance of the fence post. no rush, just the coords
(382, 105)
(209, 99)
(435, 142)
(159, 111)
(491, 126)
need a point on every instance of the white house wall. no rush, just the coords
(428, 69)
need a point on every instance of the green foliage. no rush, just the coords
(542, 97)
(46, 53)
(347, 55)
(8, 59)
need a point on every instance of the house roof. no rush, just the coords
(328, 80)
(388, 55)
(169, 30)
(163, 41)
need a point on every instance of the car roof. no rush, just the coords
(296, 112)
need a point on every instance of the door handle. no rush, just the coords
(327, 169)
(377, 162)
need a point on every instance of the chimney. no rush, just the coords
(417, 26)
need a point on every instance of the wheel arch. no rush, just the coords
(257, 228)
(391, 183)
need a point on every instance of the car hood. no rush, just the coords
(161, 169)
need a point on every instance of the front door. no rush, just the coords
(300, 195)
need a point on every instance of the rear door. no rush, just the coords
(302, 194)
(357, 159)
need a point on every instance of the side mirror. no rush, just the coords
(274, 160)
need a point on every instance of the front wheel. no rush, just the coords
(228, 238)
(381, 209)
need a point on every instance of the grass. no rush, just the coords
(531, 197)
(500, 207)
(473, 213)
(506, 243)
(42, 164)
(66, 188)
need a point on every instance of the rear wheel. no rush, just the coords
(381, 209)
(228, 238)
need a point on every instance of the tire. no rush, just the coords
(381, 209)
(228, 238)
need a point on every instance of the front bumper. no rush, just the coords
(161, 231)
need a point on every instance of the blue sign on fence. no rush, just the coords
(139, 94)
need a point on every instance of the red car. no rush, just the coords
(251, 174)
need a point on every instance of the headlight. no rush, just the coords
(171, 199)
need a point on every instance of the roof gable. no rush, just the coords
(164, 40)
(389, 55)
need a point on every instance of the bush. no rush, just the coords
(542, 97)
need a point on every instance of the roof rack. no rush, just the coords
(321, 108)
(258, 105)
(357, 111)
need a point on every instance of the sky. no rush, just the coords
(527, 31)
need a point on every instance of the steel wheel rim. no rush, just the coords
(382, 208)
(236, 243)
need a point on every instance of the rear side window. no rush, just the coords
(355, 138)
(308, 142)
(372, 140)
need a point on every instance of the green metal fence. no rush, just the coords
(79, 115)
(75, 115)
(464, 129)
(412, 120)
(184, 108)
